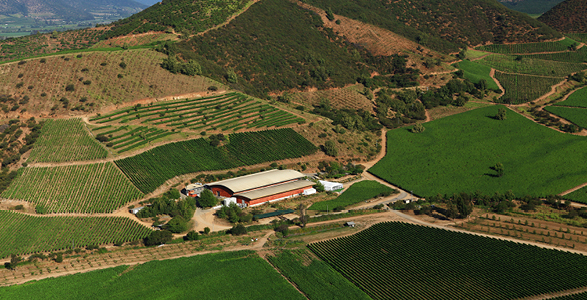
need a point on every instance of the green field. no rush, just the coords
(231, 111)
(358, 192)
(125, 138)
(64, 141)
(579, 195)
(530, 47)
(315, 278)
(23, 234)
(225, 275)
(405, 261)
(576, 99)
(94, 188)
(529, 66)
(152, 168)
(577, 116)
(582, 37)
(475, 72)
(456, 153)
(524, 88)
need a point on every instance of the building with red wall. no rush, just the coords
(259, 188)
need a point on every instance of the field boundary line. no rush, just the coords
(573, 189)
(284, 277)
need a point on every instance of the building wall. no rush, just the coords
(221, 191)
(271, 197)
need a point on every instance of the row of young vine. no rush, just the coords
(22, 234)
(151, 169)
(396, 260)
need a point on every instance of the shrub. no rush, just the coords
(418, 128)
(122, 65)
(239, 229)
(192, 236)
(70, 88)
(158, 238)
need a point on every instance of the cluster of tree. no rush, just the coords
(350, 119)
(158, 237)
(544, 117)
(207, 199)
(334, 169)
(216, 139)
(181, 211)
(12, 146)
(173, 65)
(234, 214)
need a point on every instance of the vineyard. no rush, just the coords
(65, 140)
(475, 72)
(576, 99)
(580, 296)
(94, 188)
(315, 278)
(96, 79)
(582, 37)
(577, 116)
(579, 56)
(358, 192)
(125, 138)
(557, 46)
(225, 275)
(386, 261)
(579, 195)
(151, 169)
(231, 111)
(348, 97)
(22, 234)
(456, 153)
(524, 88)
(530, 66)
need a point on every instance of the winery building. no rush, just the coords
(258, 188)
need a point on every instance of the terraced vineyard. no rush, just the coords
(582, 37)
(529, 47)
(579, 56)
(348, 97)
(358, 192)
(125, 138)
(94, 188)
(442, 264)
(576, 99)
(231, 111)
(577, 116)
(66, 140)
(524, 88)
(530, 66)
(97, 78)
(152, 168)
(22, 234)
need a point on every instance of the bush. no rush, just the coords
(122, 65)
(70, 88)
(192, 236)
(418, 128)
(239, 229)
(158, 238)
(177, 225)
(207, 199)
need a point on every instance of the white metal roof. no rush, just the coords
(329, 184)
(257, 180)
(272, 190)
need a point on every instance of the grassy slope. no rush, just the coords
(142, 78)
(228, 275)
(487, 21)
(577, 99)
(455, 154)
(578, 116)
(358, 192)
(316, 279)
(275, 45)
(475, 72)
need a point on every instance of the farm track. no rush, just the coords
(492, 75)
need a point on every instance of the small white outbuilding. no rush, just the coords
(310, 191)
(135, 210)
(331, 186)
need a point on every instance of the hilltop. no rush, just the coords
(532, 7)
(569, 16)
(445, 25)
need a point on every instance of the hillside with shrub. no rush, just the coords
(444, 25)
(569, 16)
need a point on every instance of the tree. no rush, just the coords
(177, 225)
(192, 236)
(330, 148)
(499, 169)
(239, 229)
(207, 199)
(451, 210)
(303, 217)
(464, 206)
(319, 187)
(501, 114)
(59, 258)
(418, 128)
(231, 76)
(206, 230)
(70, 88)
(158, 238)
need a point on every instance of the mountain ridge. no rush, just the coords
(569, 16)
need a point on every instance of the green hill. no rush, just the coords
(569, 16)
(532, 7)
(444, 25)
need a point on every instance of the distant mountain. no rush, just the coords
(69, 10)
(569, 16)
(148, 2)
(532, 7)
